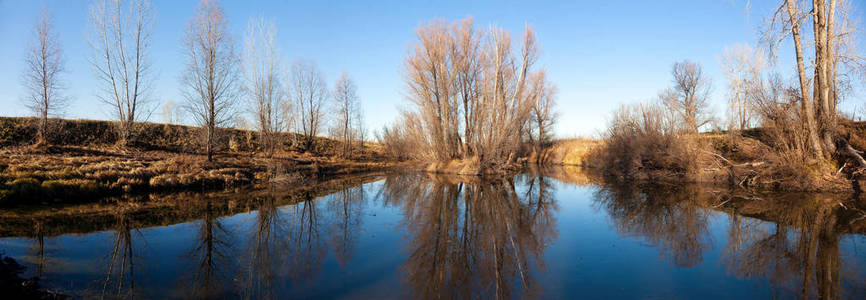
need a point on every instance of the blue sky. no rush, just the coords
(600, 54)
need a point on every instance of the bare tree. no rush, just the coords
(543, 114)
(120, 39)
(742, 66)
(211, 75)
(473, 93)
(348, 122)
(689, 94)
(832, 42)
(309, 92)
(41, 78)
(263, 82)
(169, 115)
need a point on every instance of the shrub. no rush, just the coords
(643, 142)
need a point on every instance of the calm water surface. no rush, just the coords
(417, 236)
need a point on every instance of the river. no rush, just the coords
(552, 234)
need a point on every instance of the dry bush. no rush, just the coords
(790, 164)
(396, 142)
(643, 142)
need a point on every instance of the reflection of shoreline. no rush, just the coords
(156, 210)
(796, 247)
(766, 206)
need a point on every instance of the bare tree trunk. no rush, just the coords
(806, 101)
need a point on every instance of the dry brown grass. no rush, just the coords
(84, 162)
(83, 172)
(567, 152)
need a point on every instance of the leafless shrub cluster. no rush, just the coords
(647, 140)
(41, 78)
(473, 94)
(120, 39)
(777, 106)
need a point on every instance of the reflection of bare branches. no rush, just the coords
(264, 254)
(210, 254)
(120, 275)
(665, 219)
(345, 206)
(472, 240)
(39, 247)
(798, 252)
(305, 246)
(799, 255)
(286, 241)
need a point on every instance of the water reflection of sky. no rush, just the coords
(411, 236)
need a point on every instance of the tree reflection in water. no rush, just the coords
(473, 239)
(793, 242)
(285, 245)
(264, 251)
(121, 263)
(670, 221)
(209, 257)
(465, 238)
(346, 211)
(38, 247)
(799, 254)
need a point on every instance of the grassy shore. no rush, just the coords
(747, 159)
(83, 162)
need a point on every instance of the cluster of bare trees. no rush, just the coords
(474, 96)
(743, 67)
(799, 120)
(802, 117)
(831, 54)
(263, 81)
(217, 77)
(298, 101)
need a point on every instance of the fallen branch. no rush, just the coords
(853, 153)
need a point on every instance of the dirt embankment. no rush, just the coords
(83, 161)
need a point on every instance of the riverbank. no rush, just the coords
(84, 163)
(77, 173)
(747, 159)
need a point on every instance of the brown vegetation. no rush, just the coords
(802, 143)
(566, 152)
(475, 99)
(85, 162)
